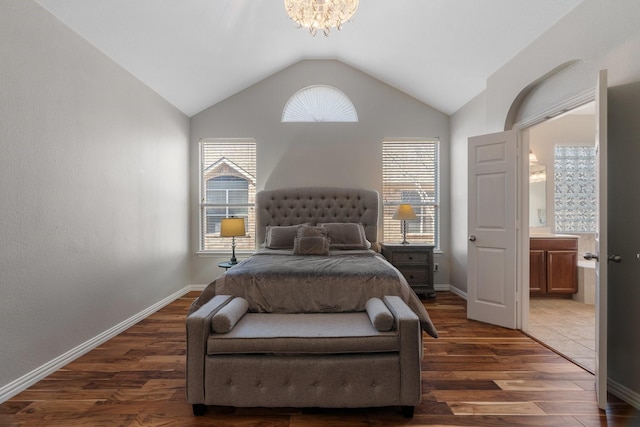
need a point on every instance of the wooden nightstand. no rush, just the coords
(415, 262)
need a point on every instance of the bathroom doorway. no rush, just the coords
(562, 215)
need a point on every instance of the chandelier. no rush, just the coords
(320, 14)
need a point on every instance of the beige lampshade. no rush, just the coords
(232, 227)
(404, 212)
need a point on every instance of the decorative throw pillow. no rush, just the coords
(380, 316)
(225, 319)
(314, 245)
(311, 231)
(346, 235)
(281, 236)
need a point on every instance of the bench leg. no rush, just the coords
(199, 409)
(407, 411)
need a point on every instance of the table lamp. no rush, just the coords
(404, 213)
(232, 227)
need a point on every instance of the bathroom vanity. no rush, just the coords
(553, 265)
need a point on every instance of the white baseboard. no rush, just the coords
(441, 287)
(9, 390)
(461, 294)
(622, 392)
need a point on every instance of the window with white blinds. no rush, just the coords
(410, 175)
(227, 189)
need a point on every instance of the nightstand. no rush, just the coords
(226, 265)
(415, 262)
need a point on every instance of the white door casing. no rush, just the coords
(601, 240)
(491, 277)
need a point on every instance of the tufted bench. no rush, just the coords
(331, 360)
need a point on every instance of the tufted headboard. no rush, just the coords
(290, 206)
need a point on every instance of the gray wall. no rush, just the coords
(468, 121)
(624, 234)
(602, 35)
(94, 192)
(318, 154)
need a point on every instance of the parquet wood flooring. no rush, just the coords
(473, 375)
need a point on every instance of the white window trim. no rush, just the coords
(202, 205)
(436, 203)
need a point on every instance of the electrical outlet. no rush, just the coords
(436, 267)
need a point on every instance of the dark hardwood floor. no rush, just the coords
(473, 375)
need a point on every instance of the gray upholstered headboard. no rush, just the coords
(290, 206)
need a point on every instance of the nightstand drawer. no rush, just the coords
(406, 257)
(414, 275)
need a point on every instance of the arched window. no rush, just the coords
(319, 103)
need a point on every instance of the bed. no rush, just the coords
(315, 318)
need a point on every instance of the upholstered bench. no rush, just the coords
(331, 360)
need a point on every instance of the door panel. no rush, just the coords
(497, 259)
(491, 277)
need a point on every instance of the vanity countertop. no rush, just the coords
(552, 236)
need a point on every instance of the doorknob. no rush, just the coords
(612, 258)
(590, 256)
(472, 238)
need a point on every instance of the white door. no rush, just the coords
(601, 240)
(491, 263)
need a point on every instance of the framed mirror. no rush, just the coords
(537, 195)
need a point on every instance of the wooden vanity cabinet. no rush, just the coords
(537, 272)
(553, 266)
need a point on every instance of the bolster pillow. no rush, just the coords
(226, 318)
(380, 316)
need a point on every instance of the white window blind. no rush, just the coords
(319, 103)
(410, 174)
(227, 189)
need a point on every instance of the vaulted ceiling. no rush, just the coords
(195, 53)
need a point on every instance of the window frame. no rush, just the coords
(216, 165)
(428, 210)
(228, 208)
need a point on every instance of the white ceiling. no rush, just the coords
(195, 53)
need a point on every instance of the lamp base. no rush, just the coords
(404, 233)
(233, 260)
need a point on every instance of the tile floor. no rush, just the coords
(566, 326)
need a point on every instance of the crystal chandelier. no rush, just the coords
(320, 14)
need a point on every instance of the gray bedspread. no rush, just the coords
(277, 281)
